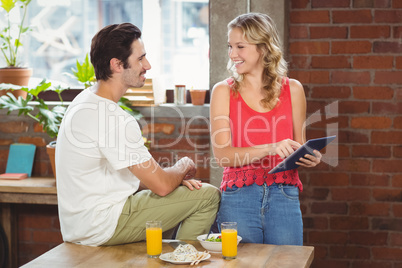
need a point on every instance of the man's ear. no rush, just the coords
(116, 65)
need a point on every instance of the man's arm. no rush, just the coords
(164, 181)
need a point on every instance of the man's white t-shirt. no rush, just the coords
(96, 143)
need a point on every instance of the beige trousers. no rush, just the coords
(195, 211)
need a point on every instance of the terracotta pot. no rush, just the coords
(51, 150)
(197, 96)
(16, 76)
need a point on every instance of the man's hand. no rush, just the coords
(192, 183)
(164, 181)
(187, 165)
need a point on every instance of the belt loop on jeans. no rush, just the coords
(280, 185)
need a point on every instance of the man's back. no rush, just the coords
(92, 157)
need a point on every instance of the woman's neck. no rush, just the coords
(252, 82)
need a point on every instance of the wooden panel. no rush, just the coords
(134, 255)
(27, 198)
(140, 92)
(143, 96)
(27, 191)
(29, 185)
(9, 221)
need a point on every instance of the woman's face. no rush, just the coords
(244, 55)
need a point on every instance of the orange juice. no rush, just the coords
(229, 243)
(154, 241)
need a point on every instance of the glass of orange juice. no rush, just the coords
(229, 240)
(154, 238)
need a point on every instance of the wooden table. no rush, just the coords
(28, 191)
(134, 255)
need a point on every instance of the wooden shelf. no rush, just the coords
(143, 96)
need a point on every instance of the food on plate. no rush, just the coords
(185, 252)
(214, 239)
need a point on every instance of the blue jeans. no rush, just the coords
(264, 214)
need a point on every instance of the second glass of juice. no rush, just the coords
(154, 238)
(229, 240)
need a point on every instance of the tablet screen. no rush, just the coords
(290, 162)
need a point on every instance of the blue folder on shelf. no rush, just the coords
(21, 158)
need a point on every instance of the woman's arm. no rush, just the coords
(299, 119)
(224, 152)
(298, 110)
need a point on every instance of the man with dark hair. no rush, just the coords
(101, 160)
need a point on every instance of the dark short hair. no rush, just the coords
(113, 41)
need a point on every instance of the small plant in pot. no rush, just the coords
(11, 46)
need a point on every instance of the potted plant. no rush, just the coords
(197, 96)
(36, 108)
(10, 45)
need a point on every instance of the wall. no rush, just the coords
(350, 51)
(14, 128)
(346, 51)
(38, 230)
(178, 131)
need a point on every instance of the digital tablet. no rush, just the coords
(307, 148)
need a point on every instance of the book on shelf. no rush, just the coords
(13, 176)
(20, 158)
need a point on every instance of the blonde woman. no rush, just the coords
(257, 118)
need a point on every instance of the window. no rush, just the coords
(175, 33)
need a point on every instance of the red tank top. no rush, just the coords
(251, 128)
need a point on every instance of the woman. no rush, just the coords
(257, 120)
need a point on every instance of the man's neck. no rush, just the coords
(110, 90)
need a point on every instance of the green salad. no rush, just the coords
(215, 239)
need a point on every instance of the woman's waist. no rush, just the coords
(266, 163)
(241, 177)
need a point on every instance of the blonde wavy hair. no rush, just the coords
(259, 29)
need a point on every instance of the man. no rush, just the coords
(101, 159)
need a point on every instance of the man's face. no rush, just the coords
(134, 75)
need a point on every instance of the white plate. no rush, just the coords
(166, 257)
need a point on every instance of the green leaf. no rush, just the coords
(59, 89)
(85, 72)
(5, 86)
(8, 5)
(11, 103)
(25, 2)
(25, 29)
(125, 104)
(17, 43)
(42, 86)
(51, 119)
